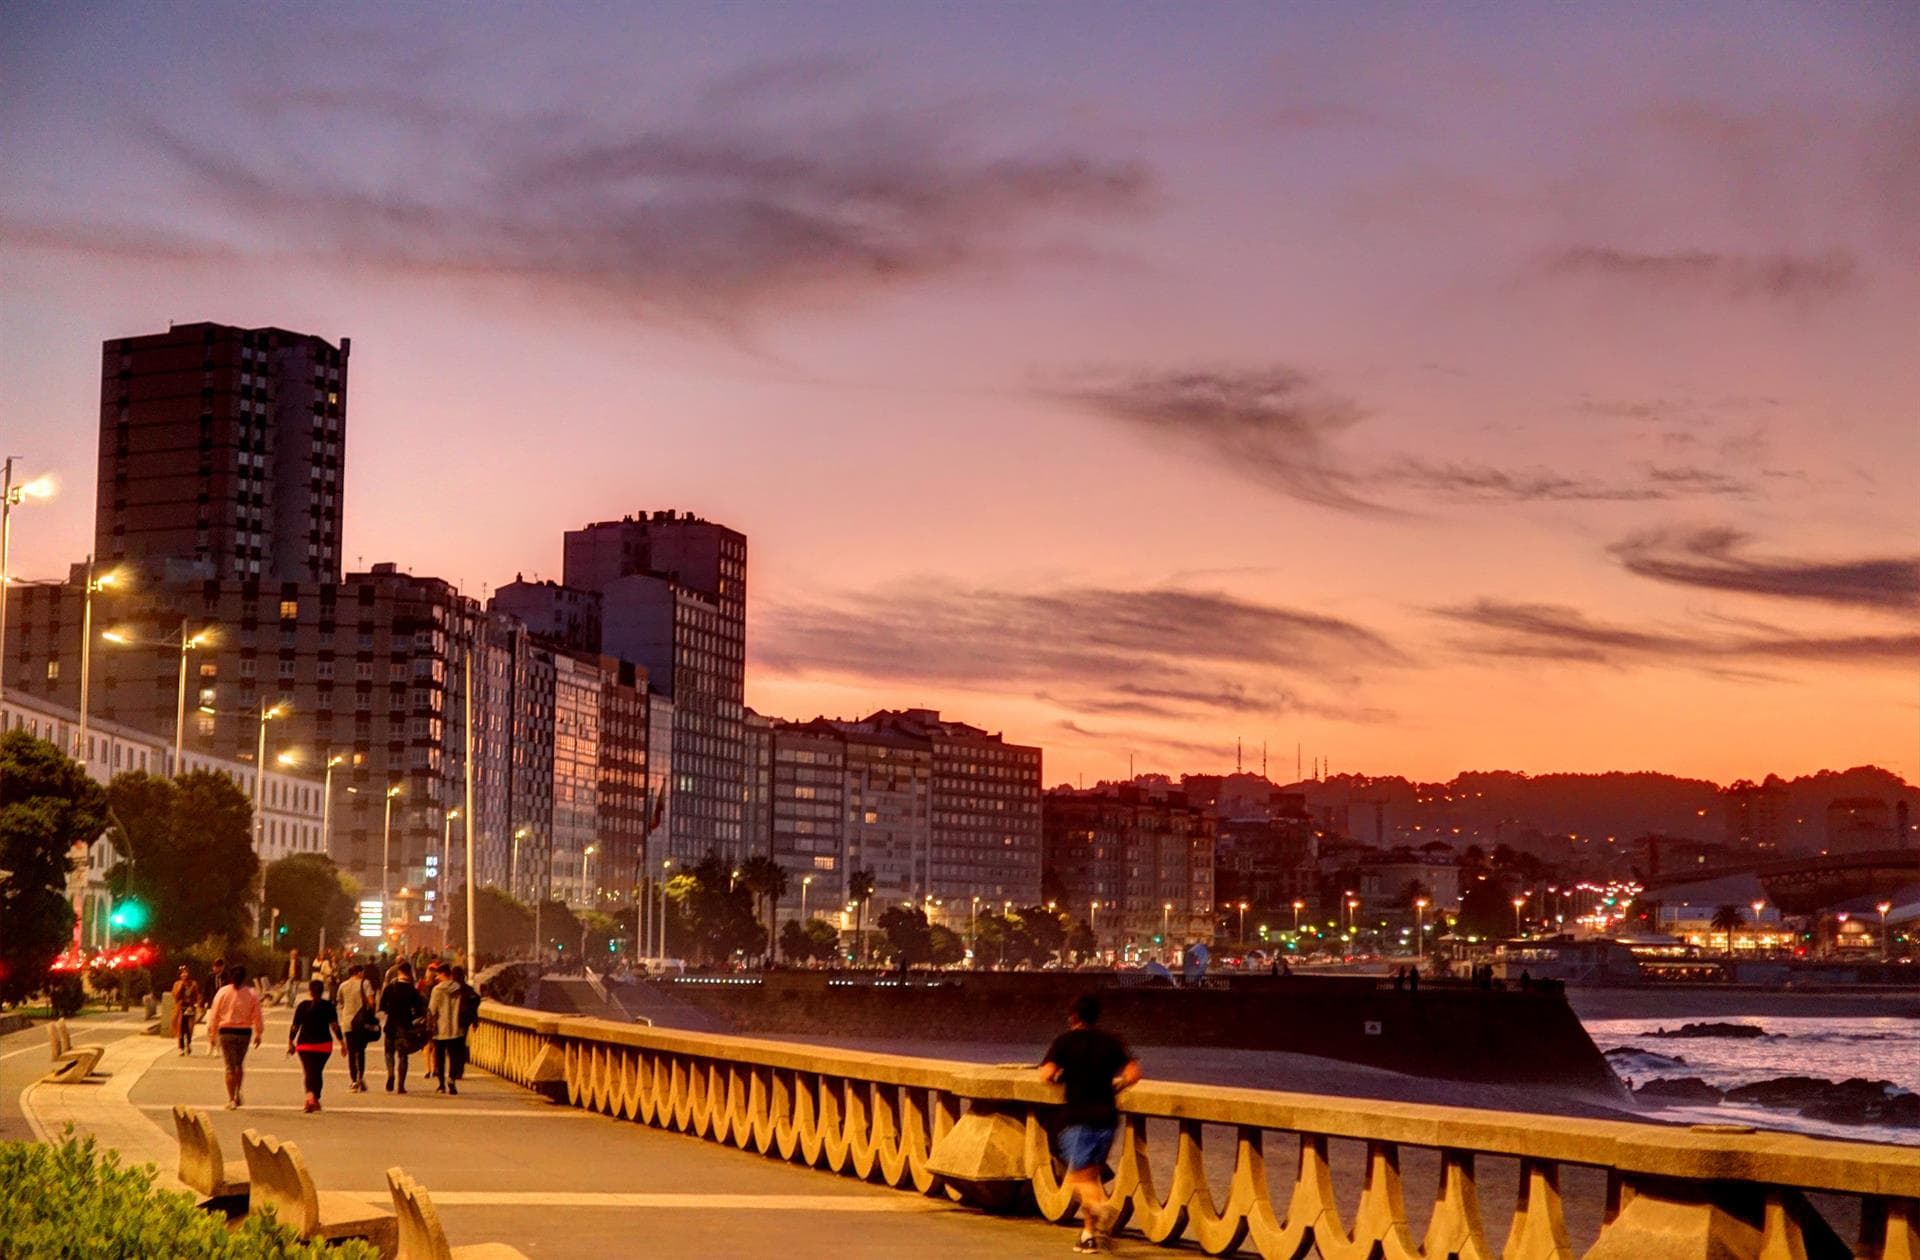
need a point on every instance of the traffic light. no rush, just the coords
(282, 930)
(128, 916)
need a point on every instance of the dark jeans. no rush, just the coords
(356, 1057)
(449, 1058)
(311, 1062)
(396, 1058)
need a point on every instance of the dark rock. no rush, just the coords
(1678, 1090)
(1732, 1031)
(1782, 1091)
(1858, 1101)
(1624, 1052)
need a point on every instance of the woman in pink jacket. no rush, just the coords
(235, 1024)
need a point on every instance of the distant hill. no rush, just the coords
(1505, 807)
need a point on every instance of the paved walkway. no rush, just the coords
(506, 1165)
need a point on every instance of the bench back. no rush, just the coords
(202, 1166)
(58, 1035)
(278, 1178)
(421, 1235)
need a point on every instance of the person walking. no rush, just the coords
(294, 978)
(1093, 1066)
(186, 1009)
(315, 1029)
(235, 1024)
(401, 1008)
(360, 1020)
(448, 1007)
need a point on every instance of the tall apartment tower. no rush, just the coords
(222, 454)
(673, 595)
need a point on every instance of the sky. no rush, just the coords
(1421, 388)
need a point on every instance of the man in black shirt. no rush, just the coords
(1093, 1066)
(401, 1009)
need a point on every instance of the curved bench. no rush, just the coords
(279, 1179)
(203, 1168)
(72, 1065)
(421, 1236)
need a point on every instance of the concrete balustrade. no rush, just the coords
(981, 1134)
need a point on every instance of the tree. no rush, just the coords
(909, 937)
(1413, 892)
(860, 884)
(502, 925)
(47, 806)
(1081, 941)
(767, 880)
(805, 942)
(187, 845)
(718, 911)
(1728, 919)
(1486, 909)
(945, 947)
(311, 893)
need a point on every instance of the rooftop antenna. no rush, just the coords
(1263, 758)
(1297, 776)
(1129, 767)
(1236, 754)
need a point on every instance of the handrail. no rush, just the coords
(935, 1125)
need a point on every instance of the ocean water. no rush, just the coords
(1881, 1049)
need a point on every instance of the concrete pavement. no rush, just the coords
(505, 1165)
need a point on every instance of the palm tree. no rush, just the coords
(860, 881)
(767, 880)
(1726, 919)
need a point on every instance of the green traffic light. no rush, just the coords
(128, 916)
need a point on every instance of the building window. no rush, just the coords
(53, 670)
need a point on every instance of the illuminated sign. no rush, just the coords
(370, 917)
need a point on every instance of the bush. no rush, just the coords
(69, 1201)
(66, 995)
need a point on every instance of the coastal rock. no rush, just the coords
(1782, 1091)
(1859, 1101)
(1677, 1091)
(1716, 1029)
(1643, 1060)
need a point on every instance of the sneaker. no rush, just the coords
(401, 1090)
(238, 1101)
(1087, 1246)
(453, 1089)
(232, 1105)
(310, 1106)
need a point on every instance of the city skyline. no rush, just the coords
(1309, 400)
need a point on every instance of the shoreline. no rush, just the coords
(1711, 1002)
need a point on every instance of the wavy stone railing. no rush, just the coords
(981, 1134)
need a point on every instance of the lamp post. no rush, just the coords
(386, 858)
(666, 864)
(188, 642)
(326, 803)
(973, 931)
(1243, 925)
(267, 714)
(1883, 907)
(11, 496)
(94, 584)
(1166, 932)
(1298, 906)
(1419, 928)
(440, 893)
(1757, 907)
(1517, 903)
(806, 882)
(1353, 919)
(1093, 923)
(586, 889)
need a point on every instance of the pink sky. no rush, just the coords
(1515, 388)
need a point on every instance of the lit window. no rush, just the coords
(289, 609)
(53, 670)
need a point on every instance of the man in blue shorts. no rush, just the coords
(1094, 1066)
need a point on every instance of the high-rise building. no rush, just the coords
(673, 600)
(1756, 814)
(1136, 861)
(222, 454)
(983, 830)
(805, 816)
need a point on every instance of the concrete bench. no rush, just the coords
(422, 1238)
(202, 1166)
(71, 1064)
(279, 1179)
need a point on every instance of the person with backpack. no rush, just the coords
(402, 1010)
(448, 1008)
(360, 1018)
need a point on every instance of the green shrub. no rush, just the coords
(66, 994)
(69, 1202)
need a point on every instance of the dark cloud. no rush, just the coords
(1483, 483)
(1277, 426)
(1272, 424)
(1157, 653)
(1133, 740)
(1793, 277)
(709, 219)
(1713, 558)
(1563, 633)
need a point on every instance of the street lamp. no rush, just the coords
(94, 585)
(1758, 906)
(1517, 903)
(188, 642)
(973, 931)
(1419, 928)
(11, 496)
(386, 858)
(1883, 907)
(513, 863)
(586, 889)
(267, 714)
(1353, 919)
(326, 803)
(666, 864)
(1166, 934)
(446, 854)
(1298, 906)
(806, 882)
(1243, 925)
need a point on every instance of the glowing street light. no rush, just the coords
(12, 496)
(95, 584)
(326, 803)
(440, 878)
(513, 862)
(1757, 906)
(268, 713)
(1517, 903)
(188, 642)
(1298, 906)
(1883, 907)
(1243, 925)
(1419, 928)
(386, 857)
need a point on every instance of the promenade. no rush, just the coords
(504, 1165)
